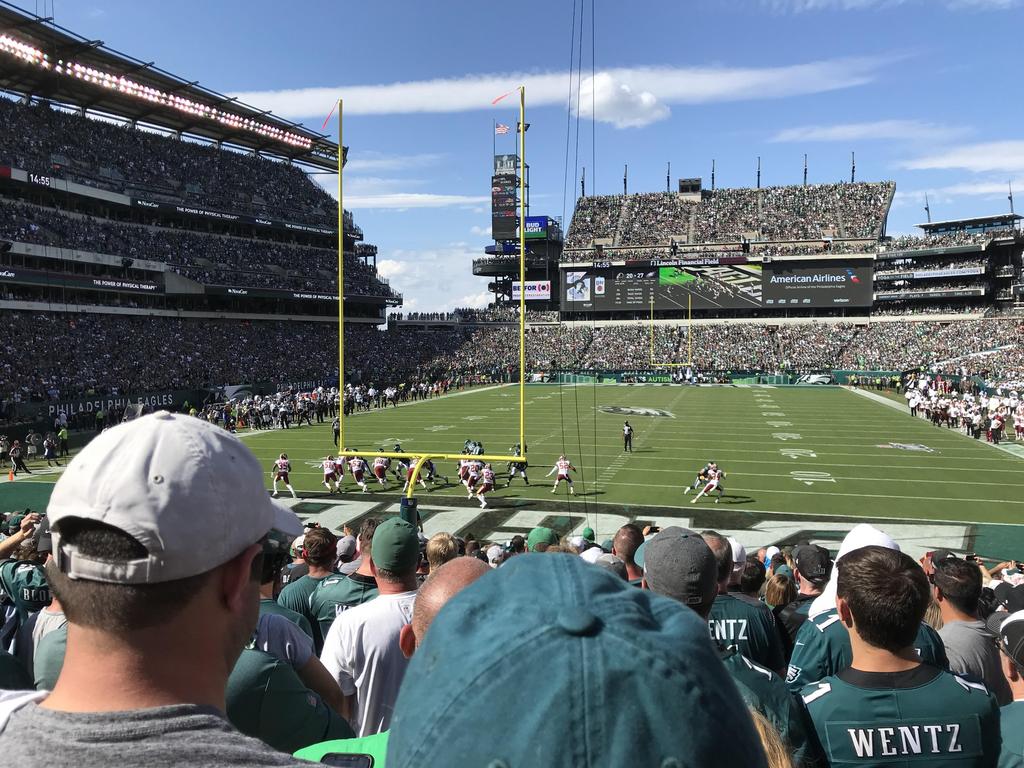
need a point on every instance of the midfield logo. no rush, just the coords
(623, 411)
(908, 447)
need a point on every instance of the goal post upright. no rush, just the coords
(423, 457)
(689, 321)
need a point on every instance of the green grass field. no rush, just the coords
(825, 456)
(786, 450)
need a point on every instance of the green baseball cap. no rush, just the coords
(630, 677)
(25, 585)
(395, 547)
(589, 535)
(541, 535)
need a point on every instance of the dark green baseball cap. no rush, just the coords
(630, 678)
(396, 547)
(541, 535)
(589, 535)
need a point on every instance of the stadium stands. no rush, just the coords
(44, 139)
(208, 259)
(58, 356)
(841, 211)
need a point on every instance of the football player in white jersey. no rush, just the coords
(562, 467)
(281, 469)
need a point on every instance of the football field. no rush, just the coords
(801, 463)
(810, 450)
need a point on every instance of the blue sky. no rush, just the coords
(926, 92)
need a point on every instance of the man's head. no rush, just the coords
(517, 545)
(626, 542)
(1009, 631)
(144, 535)
(813, 568)
(882, 595)
(441, 548)
(721, 548)
(441, 586)
(752, 577)
(957, 585)
(678, 563)
(366, 531)
(581, 635)
(540, 538)
(320, 548)
(395, 553)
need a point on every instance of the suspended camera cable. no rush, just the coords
(593, 164)
(565, 183)
(576, 163)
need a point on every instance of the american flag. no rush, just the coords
(501, 129)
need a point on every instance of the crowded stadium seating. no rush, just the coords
(55, 356)
(207, 258)
(42, 139)
(842, 211)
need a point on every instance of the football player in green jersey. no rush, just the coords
(888, 707)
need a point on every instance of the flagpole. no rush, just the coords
(341, 290)
(522, 268)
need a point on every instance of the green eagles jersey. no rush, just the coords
(296, 596)
(13, 676)
(1011, 719)
(822, 648)
(740, 622)
(762, 690)
(924, 716)
(267, 700)
(339, 593)
(269, 606)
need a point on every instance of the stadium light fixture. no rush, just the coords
(33, 56)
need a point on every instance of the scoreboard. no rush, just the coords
(716, 283)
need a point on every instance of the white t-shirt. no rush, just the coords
(361, 652)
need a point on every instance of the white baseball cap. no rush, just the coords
(739, 555)
(189, 492)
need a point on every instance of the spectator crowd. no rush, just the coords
(142, 627)
(207, 258)
(56, 356)
(45, 140)
(817, 212)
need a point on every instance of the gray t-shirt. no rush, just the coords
(972, 653)
(162, 737)
(282, 638)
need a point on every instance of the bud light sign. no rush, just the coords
(536, 227)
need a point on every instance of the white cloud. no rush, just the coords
(410, 200)
(1005, 156)
(616, 102)
(475, 300)
(911, 130)
(991, 188)
(380, 161)
(626, 96)
(802, 6)
(435, 280)
(480, 231)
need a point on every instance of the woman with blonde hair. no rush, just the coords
(774, 748)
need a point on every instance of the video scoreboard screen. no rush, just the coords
(716, 283)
